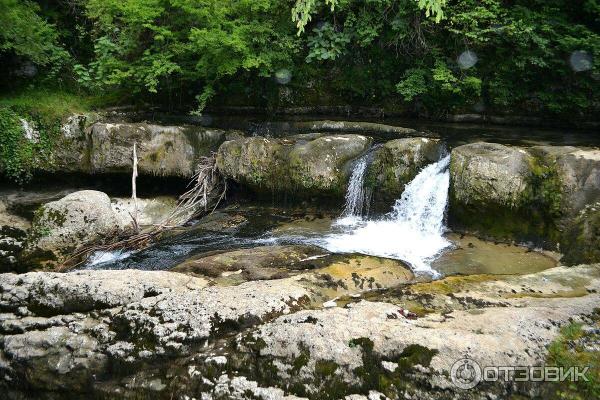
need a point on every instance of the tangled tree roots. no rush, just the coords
(206, 190)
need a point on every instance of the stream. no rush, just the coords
(413, 231)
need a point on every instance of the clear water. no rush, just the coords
(412, 232)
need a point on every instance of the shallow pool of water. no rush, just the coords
(239, 227)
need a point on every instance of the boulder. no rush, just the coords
(61, 226)
(574, 173)
(149, 211)
(88, 145)
(142, 334)
(304, 165)
(62, 332)
(490, 174)
(496, 191)
(545, 194)
(580, 241)
(161, 150)
(70, 153)
(395, 164)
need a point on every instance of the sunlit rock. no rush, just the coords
(303, 165)
(61, 226)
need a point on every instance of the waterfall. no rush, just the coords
(412, 231)
(355, 195)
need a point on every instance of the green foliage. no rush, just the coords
(19, 155)
(162, 46)
(326, 43)
(403, 54)
(27, 34)
(574, 347)
(413, 85)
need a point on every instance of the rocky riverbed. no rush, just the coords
(266, 297)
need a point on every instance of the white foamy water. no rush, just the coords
(355, 195)
(411, 232)
(104, 257)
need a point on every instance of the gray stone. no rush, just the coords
(161, 150)
(304, 166)
(149, 211)
(577, 171)
(61, 226)
(490, 174)
(397, 163)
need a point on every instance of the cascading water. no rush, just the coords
(355, 195)
(412, 231)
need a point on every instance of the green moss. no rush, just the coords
(391, 383)
(581, 240)
(576, 347)
(546, 188)
(301, 360)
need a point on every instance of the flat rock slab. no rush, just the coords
(263, 262)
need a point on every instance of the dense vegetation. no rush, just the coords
(425, 56)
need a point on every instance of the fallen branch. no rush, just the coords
(206, 186)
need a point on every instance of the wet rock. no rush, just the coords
(310, 166)
(490, 174)
(495, 191)
(359, 273)
(8, 218)
(80, 218)
(11, 245)
(71, 150)
(538, 195)
(258, 263)
(222, 222)
(396, 163)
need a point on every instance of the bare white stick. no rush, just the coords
(134, 175)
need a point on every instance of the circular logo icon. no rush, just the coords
(465, 373)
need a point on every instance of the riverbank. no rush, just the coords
(364, 246)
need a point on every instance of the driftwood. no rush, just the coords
(206, 190)
(134, 175)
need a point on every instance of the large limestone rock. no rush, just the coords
(61, 226)
(86, 144)
(161, 150)
(580, 241)
(495, 191)
(545, 194)
(396, 163)
(147, 211)
(304, 164)
(71, 152)
(65, 332)
(135, 334)
(574, 173)
(490, 174)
